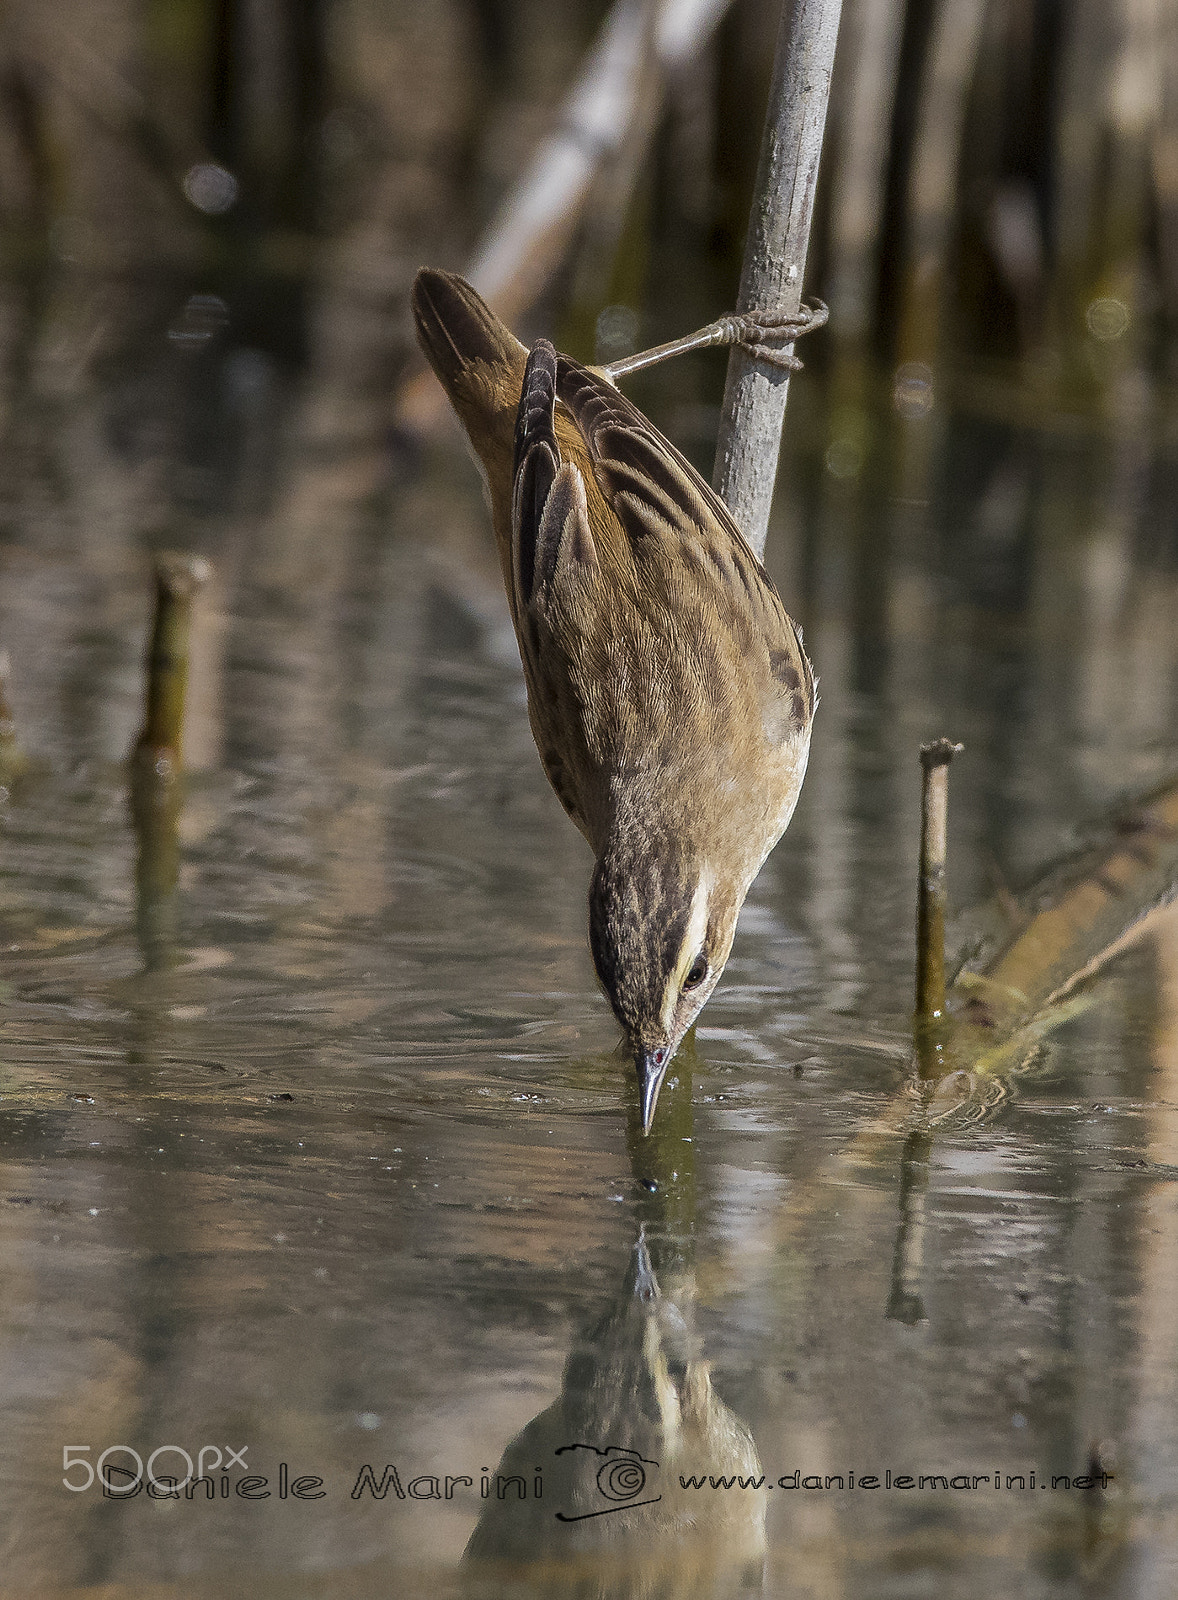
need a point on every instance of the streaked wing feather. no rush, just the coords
(537, 462)
(550, 532)
(662, 503)
(550, 518)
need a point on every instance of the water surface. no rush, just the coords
(328, 1160)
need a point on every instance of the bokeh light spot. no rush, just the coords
(203, 316)
(210, 188)
(912, 390)
(1107, 318)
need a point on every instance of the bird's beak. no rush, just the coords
(652, 1069)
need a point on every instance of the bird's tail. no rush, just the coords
(457, 327)
(478, 360)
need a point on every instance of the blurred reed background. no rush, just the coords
(256, 180)
(211, 212)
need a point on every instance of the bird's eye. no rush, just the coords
(696, 972)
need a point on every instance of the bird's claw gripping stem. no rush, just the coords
(765, 335)
(753, 330)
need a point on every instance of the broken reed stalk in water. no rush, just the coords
(931, 896)
(177, 580)
(1030, 960)
(156, 792)
(11, 756)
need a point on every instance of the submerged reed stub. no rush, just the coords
(931, 894)
(11, 757)
(156, 793)
(178, 577)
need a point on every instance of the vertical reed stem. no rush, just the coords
(775, 257)
(930, 907)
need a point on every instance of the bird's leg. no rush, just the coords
(766, 335)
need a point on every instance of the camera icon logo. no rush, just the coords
(623, 1478)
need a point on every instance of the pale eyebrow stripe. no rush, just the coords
(693, 938)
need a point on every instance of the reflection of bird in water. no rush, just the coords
(668, 690)
(636, 1413)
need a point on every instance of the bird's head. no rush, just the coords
(661, 923)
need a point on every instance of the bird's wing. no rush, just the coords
(549, 516)
(669, 515)
(550, 533)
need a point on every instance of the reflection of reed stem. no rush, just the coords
(905, 1303)
(930, 907)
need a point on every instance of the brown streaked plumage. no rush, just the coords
(668, 691)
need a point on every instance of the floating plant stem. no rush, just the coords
(1030, 961)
